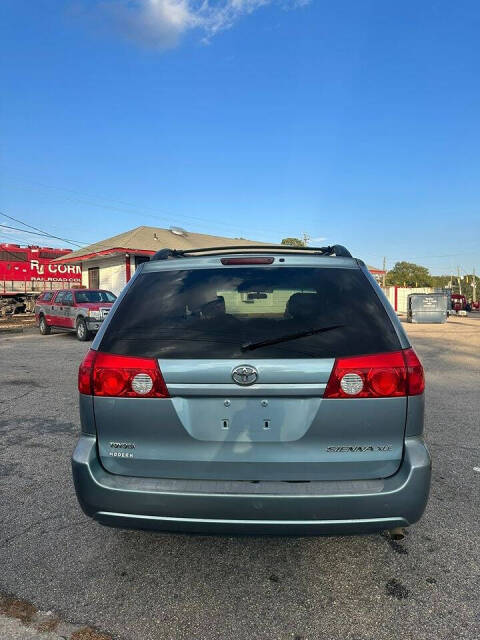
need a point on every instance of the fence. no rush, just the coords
(31, 286)
(398, 296)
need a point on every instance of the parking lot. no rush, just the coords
(143, 586)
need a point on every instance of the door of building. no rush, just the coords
(94, 278)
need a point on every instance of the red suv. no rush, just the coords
(79, 310)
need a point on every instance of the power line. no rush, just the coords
(445, 255)
(39, 235)
(40, 231)
(134, 210)
(33, 233)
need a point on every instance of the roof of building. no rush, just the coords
(150, 240)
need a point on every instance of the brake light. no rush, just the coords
(104, 374)
(247, 260)
(384, 375)
(85, 372)
(415, 374)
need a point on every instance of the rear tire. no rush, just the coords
(83, 334)
(43, 326)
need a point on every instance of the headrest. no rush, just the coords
(304, 305)
(214, 308)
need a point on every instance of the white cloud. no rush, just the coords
(162, 23)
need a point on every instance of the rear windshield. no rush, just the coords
(94, 296)
(224, 313)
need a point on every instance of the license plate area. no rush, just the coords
(240, 419)
(225, 424)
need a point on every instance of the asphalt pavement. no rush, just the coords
(150, 586)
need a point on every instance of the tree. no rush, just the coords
(451, 282)
(408, 274)
(294, 242)
(443, 282)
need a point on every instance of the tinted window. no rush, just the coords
(212, 313)
(13, 256)
(68, 298)
(59, 297)
(94, 296)
(45, 297)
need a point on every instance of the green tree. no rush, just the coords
(409, 274)
(443, 282)
(294, 242)
(451, 282)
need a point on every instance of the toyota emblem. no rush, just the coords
(244, 374)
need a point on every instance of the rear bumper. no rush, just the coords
(277, 508)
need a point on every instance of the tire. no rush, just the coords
(83, 334)
(43, 326)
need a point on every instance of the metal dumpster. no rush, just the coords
(427, 307)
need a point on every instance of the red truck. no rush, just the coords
(79, 310)
(459, 302)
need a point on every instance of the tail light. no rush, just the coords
(85, 372)
(415, 375)
(104, 374)
(384, 375)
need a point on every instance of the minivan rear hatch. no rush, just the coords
(246, 352)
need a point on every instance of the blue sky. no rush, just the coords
(355, 121)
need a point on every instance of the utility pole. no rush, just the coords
(459, 281)
(474, 286)
(384, 271)
(306, 238)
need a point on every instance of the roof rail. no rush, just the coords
(336, 250)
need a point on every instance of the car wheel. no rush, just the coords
(43, 326)
(83, 334)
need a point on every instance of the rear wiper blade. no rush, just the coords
(249, 346)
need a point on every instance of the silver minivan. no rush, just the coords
(265, 390)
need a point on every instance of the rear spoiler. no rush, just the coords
(336, 250)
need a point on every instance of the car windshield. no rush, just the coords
(217, 313)
(95, 296)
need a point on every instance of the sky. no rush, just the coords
(356, 122)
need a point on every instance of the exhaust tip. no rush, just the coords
(397, 534)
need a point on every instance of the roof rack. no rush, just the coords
(336, 250)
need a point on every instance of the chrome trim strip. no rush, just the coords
(232, 521)
(177, 389)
